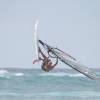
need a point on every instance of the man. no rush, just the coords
(47, 64)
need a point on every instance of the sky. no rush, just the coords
(71, 25)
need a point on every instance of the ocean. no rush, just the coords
(35, 84)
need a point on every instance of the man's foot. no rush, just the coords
(34, 61)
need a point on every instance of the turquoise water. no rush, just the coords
(31, 84)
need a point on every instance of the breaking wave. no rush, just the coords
(61, 74)
(19, 74)
(3, 71)
(7, 74)
(56, 94)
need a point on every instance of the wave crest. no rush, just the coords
(3, 72)
(7, 74)
(61, 74)
(19, 74)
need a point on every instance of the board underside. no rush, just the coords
(36, 41)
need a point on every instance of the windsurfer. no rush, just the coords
(47, 64)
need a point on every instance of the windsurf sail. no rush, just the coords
(69, 60)
(61, 55)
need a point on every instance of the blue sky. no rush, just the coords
(72, 25)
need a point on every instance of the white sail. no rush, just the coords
(70, 61)
(75, 64)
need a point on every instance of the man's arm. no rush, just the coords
(40, 51)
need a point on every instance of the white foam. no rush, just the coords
(56, 94)
(53, 74)
(2, 71)
(76, 75)
(6, 74)
(18, 74)
(61, 74)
